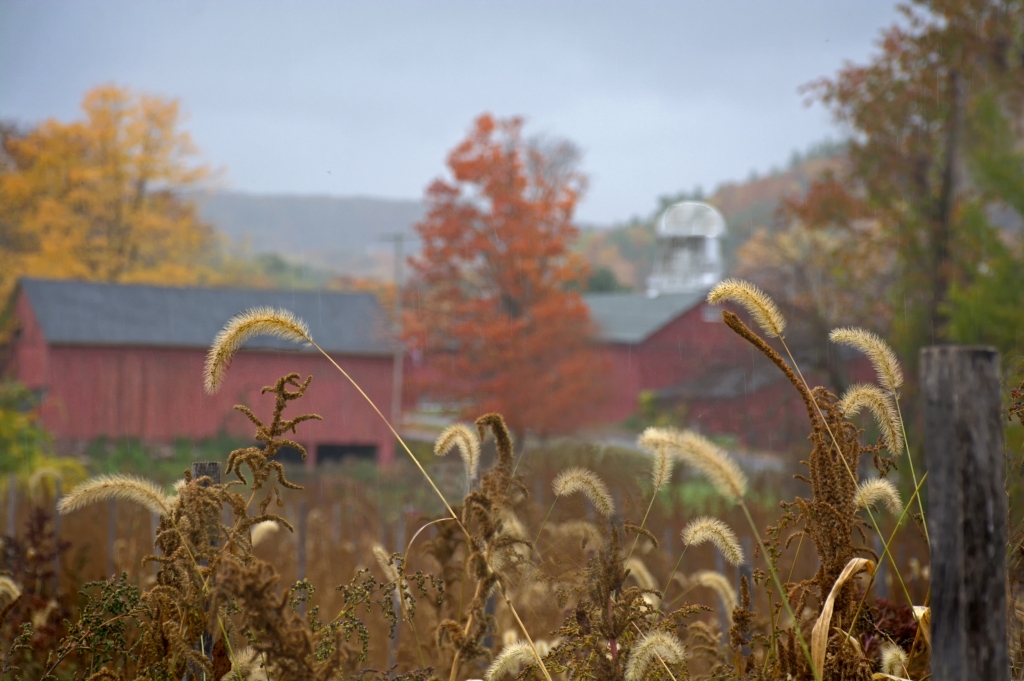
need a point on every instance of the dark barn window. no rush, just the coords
(289, 456)
(329, 454)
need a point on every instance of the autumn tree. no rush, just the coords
(922, 162)
(494, 299)
(104, 198)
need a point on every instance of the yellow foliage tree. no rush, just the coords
(104, 198)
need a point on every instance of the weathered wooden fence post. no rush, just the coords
(967, 511)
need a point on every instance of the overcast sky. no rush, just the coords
(367, 98)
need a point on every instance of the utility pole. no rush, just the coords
(398, 239)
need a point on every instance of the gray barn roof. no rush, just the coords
(633, 317)
(81, 313)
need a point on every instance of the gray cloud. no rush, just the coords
(660, 96)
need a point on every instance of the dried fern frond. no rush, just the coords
(718, 583)
(703, 455)
(708, 529)
(760, 306)
(510, 660)
(819, 634)
(894, 660)
(263, 530)
(9, 590)
(882, 408)
(879, 490)
(461, 436)
(259, 321)
(577, 479)
(882, 357)
(656, 644)
(122, 487)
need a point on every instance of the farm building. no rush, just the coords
(676, 348)
(126, 361)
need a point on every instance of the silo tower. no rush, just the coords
(689, 256)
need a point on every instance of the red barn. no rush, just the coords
(676, 347)
(126, 362)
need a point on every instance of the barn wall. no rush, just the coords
(693, 344)
(156, 395)
(30, 361)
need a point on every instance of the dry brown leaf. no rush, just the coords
(923, 614)
(819, 634)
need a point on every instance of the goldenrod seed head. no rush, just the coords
(760, 306)
(577, 479)
(882, 407)
(260, 321)
(121, 487)
(708, 529)
(882, 357)
(878, 490)
(465, 438)
(647, 651)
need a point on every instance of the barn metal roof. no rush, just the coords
(633, 317)
(81, 313)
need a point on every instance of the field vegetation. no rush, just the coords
(505, 583)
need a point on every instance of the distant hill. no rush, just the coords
(342, 234)
(322, 236)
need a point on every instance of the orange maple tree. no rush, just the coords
(494, 299)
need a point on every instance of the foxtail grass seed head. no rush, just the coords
(718, 583)
(643, 576)
(761, 307)
(882, 357)
(384, 561)
(577, 479)
(243, 663)
(894, 660)
(263, 531)
(883, 409)
(121, 487)
(9, 590)
(259, 321)
(878, 491)
(509, 661)
(465, 438)
(714, 463)
(661, 466)
(707, 529)
(36, 480)
(654, 645)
